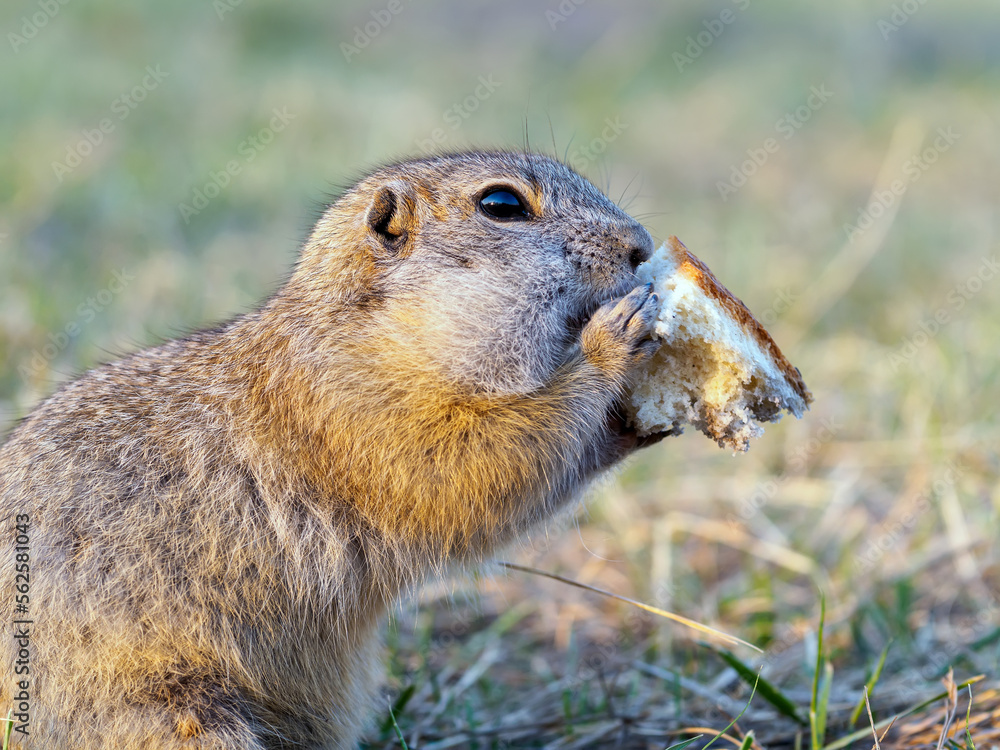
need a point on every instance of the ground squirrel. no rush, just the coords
(218, 525)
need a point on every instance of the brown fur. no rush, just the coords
(219, 524)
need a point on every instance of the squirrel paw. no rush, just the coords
(618, 338)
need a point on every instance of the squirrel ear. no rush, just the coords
(391, 215)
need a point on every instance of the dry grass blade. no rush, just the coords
(646, 607)
(951, 706)
(983, 725)
(716, 735)
(888, 726)
(843, 742)
(871, 722)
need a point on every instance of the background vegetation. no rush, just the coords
(837, 165)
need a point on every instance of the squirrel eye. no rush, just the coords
(503, 204)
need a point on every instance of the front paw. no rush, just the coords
(618, 338)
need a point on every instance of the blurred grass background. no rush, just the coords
(885, 496)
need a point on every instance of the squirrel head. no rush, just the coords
(489, 261)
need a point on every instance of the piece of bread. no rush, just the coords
(717, 368)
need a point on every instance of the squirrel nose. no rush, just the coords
(639, 246)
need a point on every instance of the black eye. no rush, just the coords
(503, 204)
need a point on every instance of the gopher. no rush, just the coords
(207, 534)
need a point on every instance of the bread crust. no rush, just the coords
(692, 268)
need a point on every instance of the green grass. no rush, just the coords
(885, 496)
(8, 728)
